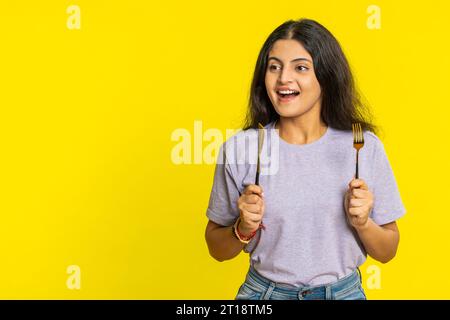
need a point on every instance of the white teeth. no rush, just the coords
(287, 91)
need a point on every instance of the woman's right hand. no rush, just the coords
(251, 209)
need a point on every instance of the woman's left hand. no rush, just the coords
(358, 203)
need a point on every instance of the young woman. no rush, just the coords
(309, 224)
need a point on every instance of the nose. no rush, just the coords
(285, 76)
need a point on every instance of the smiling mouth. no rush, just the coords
(287, 93)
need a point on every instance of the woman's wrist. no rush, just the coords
(363, 227)
(245, 231)
(244, 238)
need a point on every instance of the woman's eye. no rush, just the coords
(274, 67)
(302, 68)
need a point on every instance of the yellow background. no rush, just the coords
(86, 123)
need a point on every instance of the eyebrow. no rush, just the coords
(295, 60)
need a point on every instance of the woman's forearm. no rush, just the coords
(222, 243)
(380, 242)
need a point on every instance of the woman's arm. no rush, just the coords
(222, 243)
(380, 242)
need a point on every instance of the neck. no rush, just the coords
(300, 130)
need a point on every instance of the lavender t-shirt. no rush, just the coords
(307, 239)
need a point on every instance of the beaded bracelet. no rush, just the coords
(242, 238)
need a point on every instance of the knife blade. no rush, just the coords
(260, 145)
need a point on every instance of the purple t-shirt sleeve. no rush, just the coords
(388, 205)
(222, 208)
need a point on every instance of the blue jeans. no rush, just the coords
(257, 287)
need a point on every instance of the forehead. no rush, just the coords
(288, 49)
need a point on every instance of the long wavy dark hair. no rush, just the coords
(341, 103)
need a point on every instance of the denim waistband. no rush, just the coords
(263, 283)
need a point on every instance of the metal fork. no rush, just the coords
(358, 142)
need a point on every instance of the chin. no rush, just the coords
(289, 112)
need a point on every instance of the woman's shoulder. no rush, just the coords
(370, 138)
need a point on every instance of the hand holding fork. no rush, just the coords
(358, 200)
